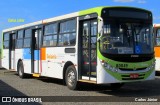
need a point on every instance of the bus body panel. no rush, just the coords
(54, 59)
(36, 61)
(5, 58)
(18, 56)
(148, 73)
(157, 64)
(157, 56)
(13, 60)
(26, 60)
(102, 74)
(27, 66)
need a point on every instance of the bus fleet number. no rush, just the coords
(121, 65)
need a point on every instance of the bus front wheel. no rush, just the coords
(21, 70)
(71, 78)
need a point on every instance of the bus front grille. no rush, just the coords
(137, 69)
(127, 77)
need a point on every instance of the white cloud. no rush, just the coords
(123, 1)
(141, 1)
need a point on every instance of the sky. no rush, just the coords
(35, 10)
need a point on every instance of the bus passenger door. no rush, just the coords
(12, 51)
(35, 52)
(88, 54)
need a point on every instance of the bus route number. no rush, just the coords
(121, 65)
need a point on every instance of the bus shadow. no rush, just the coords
(44, 79)
(135, 89)
(51, 80)
(8, 91)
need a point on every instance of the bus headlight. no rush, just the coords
(109, 67)
(151, 67)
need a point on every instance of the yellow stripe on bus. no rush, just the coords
(36, 75)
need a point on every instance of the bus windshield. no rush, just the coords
(126, 37)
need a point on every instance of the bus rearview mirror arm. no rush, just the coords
(100, 27)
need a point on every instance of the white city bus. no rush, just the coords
(99, 45)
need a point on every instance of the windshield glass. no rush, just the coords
(122, 37)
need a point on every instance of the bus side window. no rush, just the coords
(6, 41)
(19, 40)
(50, 35)
(67, 35)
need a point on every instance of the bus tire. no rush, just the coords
(21, 70)
(71, 78)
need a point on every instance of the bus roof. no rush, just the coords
(75, 14)
(83, 12)
(42, 22)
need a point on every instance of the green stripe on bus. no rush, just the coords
(98, 10)
(90, 11)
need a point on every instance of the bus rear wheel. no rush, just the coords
(21, 70)
(71, 78)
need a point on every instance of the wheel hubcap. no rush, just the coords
(71, 78)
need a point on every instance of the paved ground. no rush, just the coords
(12, 85)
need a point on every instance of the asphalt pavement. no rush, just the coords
(53, 91)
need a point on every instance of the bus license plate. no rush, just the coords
(134, 75)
